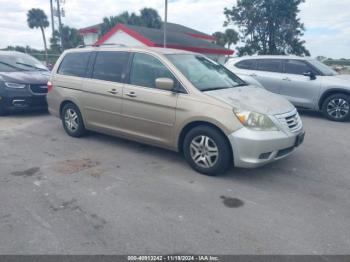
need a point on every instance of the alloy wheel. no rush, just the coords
(71, 120)
(204, 151)
(338, 108)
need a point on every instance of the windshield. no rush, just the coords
(204, 73)
(13, 62)
(324, 69)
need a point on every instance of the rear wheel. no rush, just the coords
(207, 151)
(337, 107)
(72, 121)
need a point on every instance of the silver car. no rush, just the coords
(305, 82)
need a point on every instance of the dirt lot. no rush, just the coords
(103, 195)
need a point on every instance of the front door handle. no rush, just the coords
(113, 91)
(131, 94)
(253, 75)
(286, 79)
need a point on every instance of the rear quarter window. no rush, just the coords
(74, 64)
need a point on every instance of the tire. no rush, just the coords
(337, 107)
(72, 121)
(199, 147)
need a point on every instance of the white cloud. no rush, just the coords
(327, 21)
(331, 21)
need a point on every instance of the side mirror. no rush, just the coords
(165, 83)
(310, 74)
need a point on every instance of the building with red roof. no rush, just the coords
(178, 37)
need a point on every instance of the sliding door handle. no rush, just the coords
(113, 91)
(286, 79)
(131, 94)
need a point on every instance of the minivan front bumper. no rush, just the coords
(256, 148)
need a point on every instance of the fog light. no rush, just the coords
(265, 156)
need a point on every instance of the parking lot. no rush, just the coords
(104, 195)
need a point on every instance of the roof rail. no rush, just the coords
(98, 45)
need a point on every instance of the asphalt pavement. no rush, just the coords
(104, 195)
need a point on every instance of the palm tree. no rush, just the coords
(220, 38)
(231, 37)
(36, 18)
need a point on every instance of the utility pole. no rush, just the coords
(165, 22)
(52, 19)
(59, 19)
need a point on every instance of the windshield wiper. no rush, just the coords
(215, 88)
(243, 84)
(31, 66)
(223, 87)
(12, 66)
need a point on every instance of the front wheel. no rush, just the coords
(72, 121)
(207, 150)
(337, 107)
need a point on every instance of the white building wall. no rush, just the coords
(90, 38)
(123, 38)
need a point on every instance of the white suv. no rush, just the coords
(305, 82)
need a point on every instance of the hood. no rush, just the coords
(344, 77)
(342, 81)
(26, 77)
(253, 98)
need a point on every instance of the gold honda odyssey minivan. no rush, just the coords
(173, 99)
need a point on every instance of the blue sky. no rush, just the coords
(327, 21)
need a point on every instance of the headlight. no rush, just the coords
(14, 85)
(255, 121)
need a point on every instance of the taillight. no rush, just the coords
(49, 86)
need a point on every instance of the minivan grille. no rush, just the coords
(38, 89)
(291, 121)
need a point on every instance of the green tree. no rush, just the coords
(109, 22)
(55, 43)
(148, 17)
(228, 38)
(36, 18)
(220, 38)
(268, 26)
(70, 37)
(231, 37)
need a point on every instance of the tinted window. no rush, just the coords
(296, 67)
(110, 66)
(146, 69)
(270, 65)
(247, 64)
(74, 64)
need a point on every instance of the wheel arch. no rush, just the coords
(330, 92)
(68, 101)
(189, 126)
